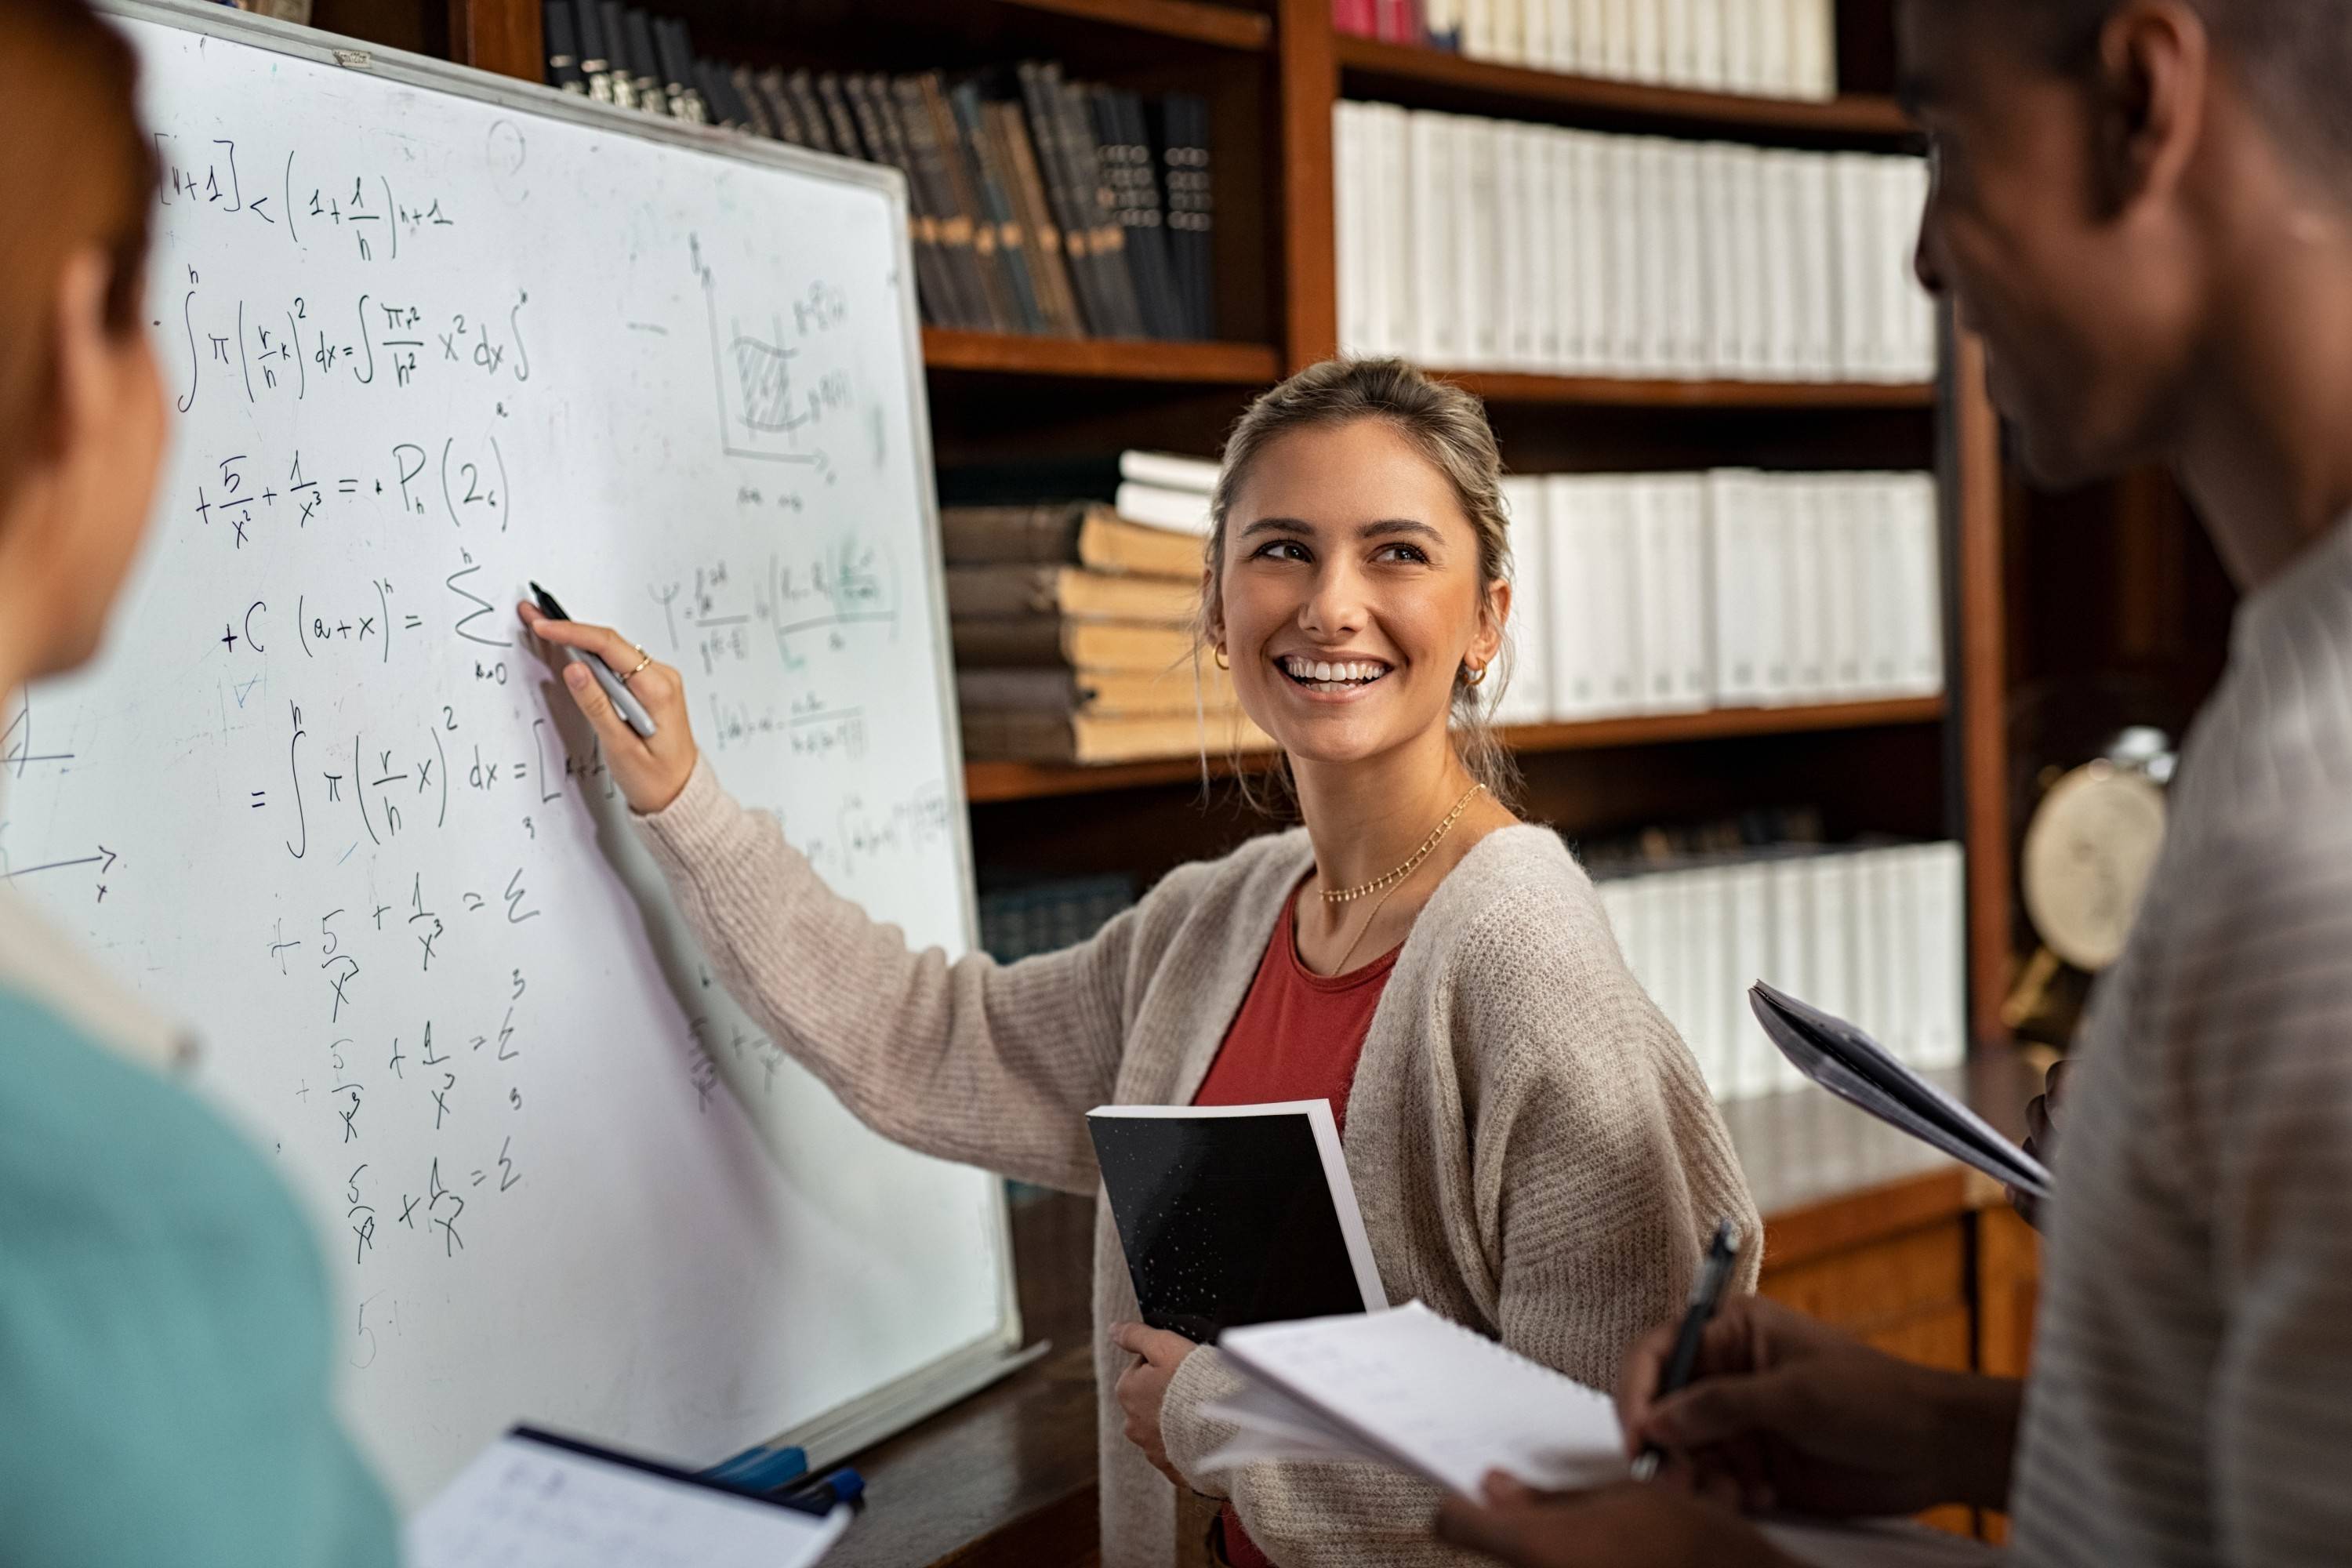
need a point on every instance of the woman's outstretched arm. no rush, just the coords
(989, 1065)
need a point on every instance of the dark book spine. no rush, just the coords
(1138, 212)
(838, 121)
(989, 288)
(769, 86)
(960, 283)
(816, 132)
(675, 50)
(1044, 236)
(644, 67)
(562, 48)
(878, 117)
(616, 52)
(1077, 235)
(750, 102)
(1012, 257)
(1100, 205)
(595, 60)
(1184, 156)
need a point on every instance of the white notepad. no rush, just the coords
(532, 1501)
(1408, 1388)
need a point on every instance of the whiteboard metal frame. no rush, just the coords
(896, 1405)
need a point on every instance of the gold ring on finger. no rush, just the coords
(643, 660)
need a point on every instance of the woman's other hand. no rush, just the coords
(650, 771)
(1143, 1387)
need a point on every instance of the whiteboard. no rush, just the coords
(429, 335)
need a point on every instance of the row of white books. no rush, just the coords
(1474, 244)
(1678, 593)
(1872, 935)
(1773, 48)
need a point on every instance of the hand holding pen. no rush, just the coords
(1784, 1413)
(651, 750)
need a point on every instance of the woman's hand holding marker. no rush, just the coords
(650, 771)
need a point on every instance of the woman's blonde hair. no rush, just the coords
(1448, 428)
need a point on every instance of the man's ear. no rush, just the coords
(2149, 77)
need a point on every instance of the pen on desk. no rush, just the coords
(623, 702)
(841, 1488)
(1705, 1297)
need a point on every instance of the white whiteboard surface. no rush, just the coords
(431, 335)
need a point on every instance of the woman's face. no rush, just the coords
(1352, 594)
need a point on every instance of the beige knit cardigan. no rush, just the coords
(1533, 1148)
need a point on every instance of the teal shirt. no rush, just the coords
(163, 1335)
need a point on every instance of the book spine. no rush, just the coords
(993, 289)
(1078, 234)
(1099, 202)
(562, 49)
(1189, 158)
(1003, 220)
(1119, 162)
(1045, 234)
(932, 280)
(958, 288)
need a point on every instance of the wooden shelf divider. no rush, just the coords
(1620, 391)
(1436, 79)
(1100, 358)
(1193, 21)
(988, 782)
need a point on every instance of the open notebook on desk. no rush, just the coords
(1847, 1062)
(533, 1499)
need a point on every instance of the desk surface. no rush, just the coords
(1007, 1477)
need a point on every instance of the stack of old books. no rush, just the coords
(1074, 623)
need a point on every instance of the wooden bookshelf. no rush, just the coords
(1624, 391)
(1100, 358)
(987, 783)
(1432, 79)
(1274, 71)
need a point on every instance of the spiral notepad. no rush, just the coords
(1409, 1388)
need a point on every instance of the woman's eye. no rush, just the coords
(1281, 550)
(1407, 553)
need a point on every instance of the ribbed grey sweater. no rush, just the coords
(2191, 1397)
(1533, 1148)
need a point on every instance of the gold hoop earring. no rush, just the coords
(1222, 662)
(1477, 676)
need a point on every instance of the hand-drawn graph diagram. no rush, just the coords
(765, 406)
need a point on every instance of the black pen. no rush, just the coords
(1705, 1299)
(615, 684)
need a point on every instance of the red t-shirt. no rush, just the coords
(1297, 1037)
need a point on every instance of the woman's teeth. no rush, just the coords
(1323, 675)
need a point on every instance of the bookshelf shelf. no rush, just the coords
(1193, 21)
(1100, 358)
(1618, 392)
(995, 782)
(1434, 79)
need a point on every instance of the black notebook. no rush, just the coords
(1235, 1214)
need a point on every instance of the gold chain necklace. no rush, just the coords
(1349, 895)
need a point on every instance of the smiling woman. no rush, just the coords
(1534, 1151)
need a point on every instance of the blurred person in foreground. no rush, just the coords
(2145, 208)
(164, 1308)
